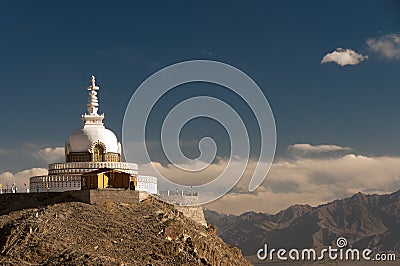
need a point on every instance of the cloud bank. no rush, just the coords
(343, 57)
(305, 179)
(387, 46)
(314, 181)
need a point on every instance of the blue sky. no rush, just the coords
(49, 49)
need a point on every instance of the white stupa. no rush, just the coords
(90, 148)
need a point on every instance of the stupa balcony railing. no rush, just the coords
(93, 165)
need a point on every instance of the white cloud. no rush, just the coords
(343, 57)
(308, 149)
(388, 46)
(51, 155)
(20, 178)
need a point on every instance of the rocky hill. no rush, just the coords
(75, 233)
(366, 221)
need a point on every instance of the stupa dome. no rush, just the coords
(83, 140)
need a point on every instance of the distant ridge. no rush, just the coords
(366, 221)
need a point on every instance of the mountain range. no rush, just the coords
(366, 221)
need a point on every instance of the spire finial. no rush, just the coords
(93, 102)
(93, 118)
(92, 85)
(93, 81)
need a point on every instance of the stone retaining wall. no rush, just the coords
(195, 213)
(95, 196)
(16, 201)
(187, 205)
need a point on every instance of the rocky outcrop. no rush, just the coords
(75, 233)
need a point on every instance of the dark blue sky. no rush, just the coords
(49, 49)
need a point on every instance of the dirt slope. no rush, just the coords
(74, 233)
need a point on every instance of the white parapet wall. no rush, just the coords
(67, 176)
(147, 183)
(56, 183)
(68, 182)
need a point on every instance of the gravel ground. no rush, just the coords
(74, 233)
